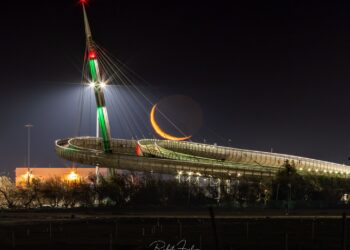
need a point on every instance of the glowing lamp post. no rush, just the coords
(28, 126)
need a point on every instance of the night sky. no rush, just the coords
(265, 75)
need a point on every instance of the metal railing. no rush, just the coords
(74, 150)
(209, 153)
(171, 157)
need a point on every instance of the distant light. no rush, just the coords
(301, 169)
(103, 85)
(238, 174)
(190, 173)
(28, 176)
(73, 176)
(92, 84)
(309, 169)
(83, 2)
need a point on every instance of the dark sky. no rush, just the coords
(265, 74)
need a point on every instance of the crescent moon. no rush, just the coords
(160, 132)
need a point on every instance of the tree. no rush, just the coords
(85, 195)
(9, 193)
(36, 189)
(289, 184)
(115, 189)
(53, 191)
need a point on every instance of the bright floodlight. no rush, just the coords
(73, 176)
(92, 84)
(28, 177)
(103, 84)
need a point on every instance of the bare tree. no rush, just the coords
(52, 191)
(8, 192)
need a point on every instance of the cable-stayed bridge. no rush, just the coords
(169, 156)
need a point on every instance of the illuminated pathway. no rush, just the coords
(187, 158)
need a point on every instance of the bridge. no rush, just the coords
(173, 157)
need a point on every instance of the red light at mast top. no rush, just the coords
(83, 2)
(92, 55)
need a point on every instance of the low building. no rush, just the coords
(23, 174)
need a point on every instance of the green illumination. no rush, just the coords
(102, 123)
(93, 70)
(100, 107)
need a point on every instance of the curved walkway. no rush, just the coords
(172, 157)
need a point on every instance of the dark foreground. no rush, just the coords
(180, 229)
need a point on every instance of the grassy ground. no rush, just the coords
(137, 229)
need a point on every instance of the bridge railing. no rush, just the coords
(194, 151)
(93, 143)
(86, 150)
(159, 165)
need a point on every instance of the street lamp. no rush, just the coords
(28, 126)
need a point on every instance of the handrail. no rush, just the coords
(194, 151)
(170, 156)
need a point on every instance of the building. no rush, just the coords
(43, 174)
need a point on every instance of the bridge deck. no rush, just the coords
(175, 157)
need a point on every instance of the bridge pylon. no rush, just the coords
(98, 84)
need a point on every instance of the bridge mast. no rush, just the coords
(98, 85)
